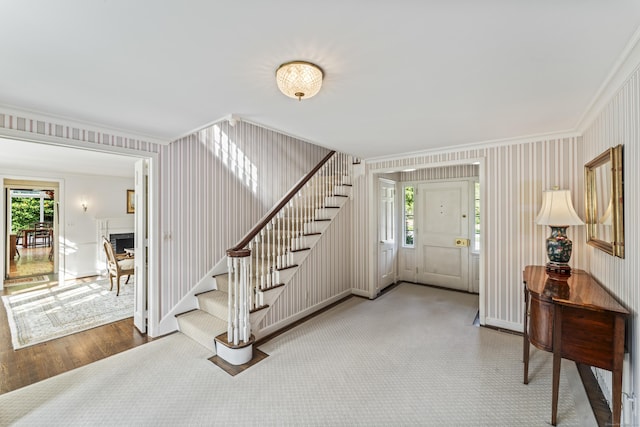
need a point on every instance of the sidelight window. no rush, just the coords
(408, 228)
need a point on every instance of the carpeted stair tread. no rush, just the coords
(214, 303)
(222, 282)
(202, 327)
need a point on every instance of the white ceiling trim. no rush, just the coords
(65, 121)
(238, 118)
(550, 136)
(624, 67)
(39, 138)
(225, 118)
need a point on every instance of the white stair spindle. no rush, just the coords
(250, 280)
(236, 285)
(292, 223)
(229, 299)
(279, 242)
(242, 303)
(262, 271)
(245, 274)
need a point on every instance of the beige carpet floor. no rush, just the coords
(410, 357)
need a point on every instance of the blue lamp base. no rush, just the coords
(559, 248)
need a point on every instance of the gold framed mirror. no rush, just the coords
(605, 202)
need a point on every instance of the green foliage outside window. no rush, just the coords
(26, 210)
(408, 216)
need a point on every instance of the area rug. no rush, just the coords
(26, 280)
(46, 314)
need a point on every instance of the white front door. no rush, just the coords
(386, 233)
(442, 242)
(141, 245)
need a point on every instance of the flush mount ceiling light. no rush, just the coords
(299, 79)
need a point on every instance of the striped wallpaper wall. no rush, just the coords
(216, 185)
(515, 177)
(206, 182)
(324, 274)
(443, 172)
(90, 136)
(619, 123)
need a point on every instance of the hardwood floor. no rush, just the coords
(32, 261)
(19, 368)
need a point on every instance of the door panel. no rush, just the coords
(442, 220)
(386, 233)
(442, 261)
(141, 245)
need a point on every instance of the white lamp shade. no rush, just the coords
(557, 209)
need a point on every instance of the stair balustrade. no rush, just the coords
(255, 264)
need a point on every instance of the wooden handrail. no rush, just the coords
(281, 204)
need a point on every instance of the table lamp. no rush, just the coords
(557, 212)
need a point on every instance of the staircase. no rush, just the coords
(278, 246)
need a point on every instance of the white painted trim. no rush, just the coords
(372, 192)
(38, 138)
(234, 356)
(626, 64)
(73, 123)
(482, 285)
(59, 255)
(285, 322)
(360, 293)
(497, 323)
(153, 278)
(373, 262)
(153, 243)
(525, 139)
(238, 118)
(169, 323)
(208, 125)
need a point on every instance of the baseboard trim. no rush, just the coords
(502, 324)
(596, 398)
(361, 293)
(284, 325)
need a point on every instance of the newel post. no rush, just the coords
(237, 346)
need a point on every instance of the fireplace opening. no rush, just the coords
(120, 241)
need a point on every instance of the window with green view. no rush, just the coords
(408, 231)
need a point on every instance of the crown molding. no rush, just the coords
(478, 145)
(227, 118)
(626, 64)
(78, 124)
(233, 119)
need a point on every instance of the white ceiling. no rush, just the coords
(401, 76)
(23, 158)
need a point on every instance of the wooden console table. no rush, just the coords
(576, 319)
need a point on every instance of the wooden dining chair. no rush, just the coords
(41, 231)
(117, 267)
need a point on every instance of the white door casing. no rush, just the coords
(7, 232)
(41, 184)
(387, 245)
(443, 234)
(141, 245)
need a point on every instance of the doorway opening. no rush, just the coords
(94, 196)
(439, 226)
(31, 232)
